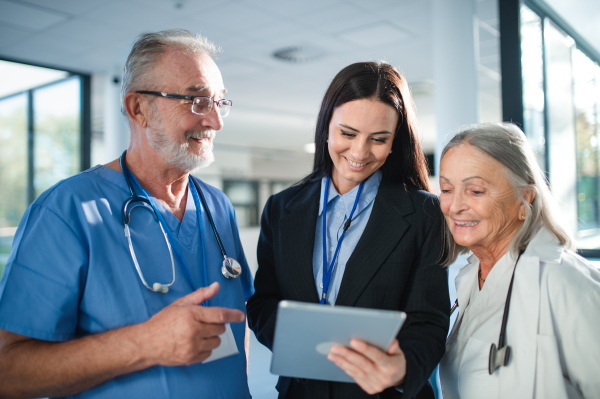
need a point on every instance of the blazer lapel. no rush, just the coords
(384, 230)
(297, 237)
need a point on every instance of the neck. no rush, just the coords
(343, 189)
(167, 184)
(488, 257)
(345, 186)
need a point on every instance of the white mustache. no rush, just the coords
(210, 134)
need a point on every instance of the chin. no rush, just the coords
(188, 163)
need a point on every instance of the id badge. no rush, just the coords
(227, 347)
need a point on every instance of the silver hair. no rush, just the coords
(507, 144)
(147, 51)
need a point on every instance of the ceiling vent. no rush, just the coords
(298, 54)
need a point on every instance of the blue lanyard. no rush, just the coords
(327, 272)
(170, 236)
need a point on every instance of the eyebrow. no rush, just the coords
(197, 89)
(474, 177)
(358, 131)
(466, 178)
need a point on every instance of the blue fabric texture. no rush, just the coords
(70, 274)
(338, 210)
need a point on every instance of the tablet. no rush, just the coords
(305, 332)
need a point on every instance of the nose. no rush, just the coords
(360, 149)
(457, 203)
(212, 119)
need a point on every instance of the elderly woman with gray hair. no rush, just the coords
(528, 323)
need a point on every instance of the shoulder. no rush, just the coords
(425, 201)
(209, 190)
(572, 273)
(409, 199)
(561, 267)
(84, 185)
(215, 198)
(563, 274)
(296, 194)
(297, 189)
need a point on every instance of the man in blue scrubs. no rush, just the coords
(77, 318)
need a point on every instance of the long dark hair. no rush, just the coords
(381, 81)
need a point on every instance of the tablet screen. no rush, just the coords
(305, 332)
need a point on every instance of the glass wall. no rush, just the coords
(561, 98)
(13, 169)
(57, 139)
(40, 138)
(533, 82)
(586, 79)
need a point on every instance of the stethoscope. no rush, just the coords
(230, 268)
(500, 354)
(328, 271)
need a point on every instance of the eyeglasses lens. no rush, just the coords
(203, 105)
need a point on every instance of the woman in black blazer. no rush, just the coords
(387, 258)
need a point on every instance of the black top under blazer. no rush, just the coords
(395, 265)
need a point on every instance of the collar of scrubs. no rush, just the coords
(170, 236)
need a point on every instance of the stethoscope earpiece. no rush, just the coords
(158, 287)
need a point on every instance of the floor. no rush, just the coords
(261, 381)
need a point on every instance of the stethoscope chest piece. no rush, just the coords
(498, 357)
(231, 268)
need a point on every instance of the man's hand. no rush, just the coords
(185, 332)
(181, 333)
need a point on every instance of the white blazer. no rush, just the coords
(553, 327)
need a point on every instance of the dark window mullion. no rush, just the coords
(30, 148)
(85, 121)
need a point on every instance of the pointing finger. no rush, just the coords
(199, 296)
(218, 315)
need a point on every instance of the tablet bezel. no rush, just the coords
(301, 327)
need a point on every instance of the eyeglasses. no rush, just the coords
(201, 105)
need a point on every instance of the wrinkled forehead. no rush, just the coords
(465, 160)
(188, 73)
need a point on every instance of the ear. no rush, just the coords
(529, 194)
(137, 108)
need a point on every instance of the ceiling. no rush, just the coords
(275, 101)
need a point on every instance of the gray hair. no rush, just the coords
(147, 51)
(507, 144)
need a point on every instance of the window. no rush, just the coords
(243, 195)
(561, 102)
(533, 83)
(42, 128)
(586, 87)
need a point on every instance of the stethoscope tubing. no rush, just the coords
(495, 361)
(210, 219)
(229, 270)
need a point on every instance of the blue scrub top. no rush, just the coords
(70, 274)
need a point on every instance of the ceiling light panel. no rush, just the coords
(374, 34)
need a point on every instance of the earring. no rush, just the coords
(390, 151)
(522, 217)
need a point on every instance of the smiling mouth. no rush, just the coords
(200, 135)
(466, 223)
(355, 164)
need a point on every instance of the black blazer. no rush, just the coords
(395, 265)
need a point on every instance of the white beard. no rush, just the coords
(178, 154)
